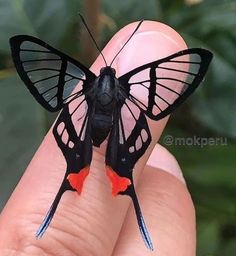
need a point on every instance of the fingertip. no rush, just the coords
(154, 39)
(162, 159)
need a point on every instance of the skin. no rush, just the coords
(95, 223)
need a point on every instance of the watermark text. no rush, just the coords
(169, 140)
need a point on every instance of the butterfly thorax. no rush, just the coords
(105, 99)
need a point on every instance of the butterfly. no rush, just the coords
(95, 108)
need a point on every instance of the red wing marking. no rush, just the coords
(119, 184)
(76, 180)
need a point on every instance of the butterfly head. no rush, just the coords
(108, 71)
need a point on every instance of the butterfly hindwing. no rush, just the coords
(128, 140)
(59, 82)
(166, 83)
(50, 75)
(72, 132)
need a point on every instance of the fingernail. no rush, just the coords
(151, 42)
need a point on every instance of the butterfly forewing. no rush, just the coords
(51, 76)
(159, 87)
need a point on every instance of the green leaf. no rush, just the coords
(45, 16)
(208, 238)
(14, 20)
(230, 248)
(211, 25)
(49, 20)
(124, 12)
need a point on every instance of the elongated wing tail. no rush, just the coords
(48, 218)
(141, 223)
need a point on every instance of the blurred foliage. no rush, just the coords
(211, 112)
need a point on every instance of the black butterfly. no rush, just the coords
(96, 107)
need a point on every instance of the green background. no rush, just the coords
(211, 112)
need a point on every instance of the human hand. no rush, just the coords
(95, 223)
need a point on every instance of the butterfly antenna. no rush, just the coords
(85, 24)
(139, 24)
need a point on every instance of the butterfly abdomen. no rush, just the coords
(101, 126)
